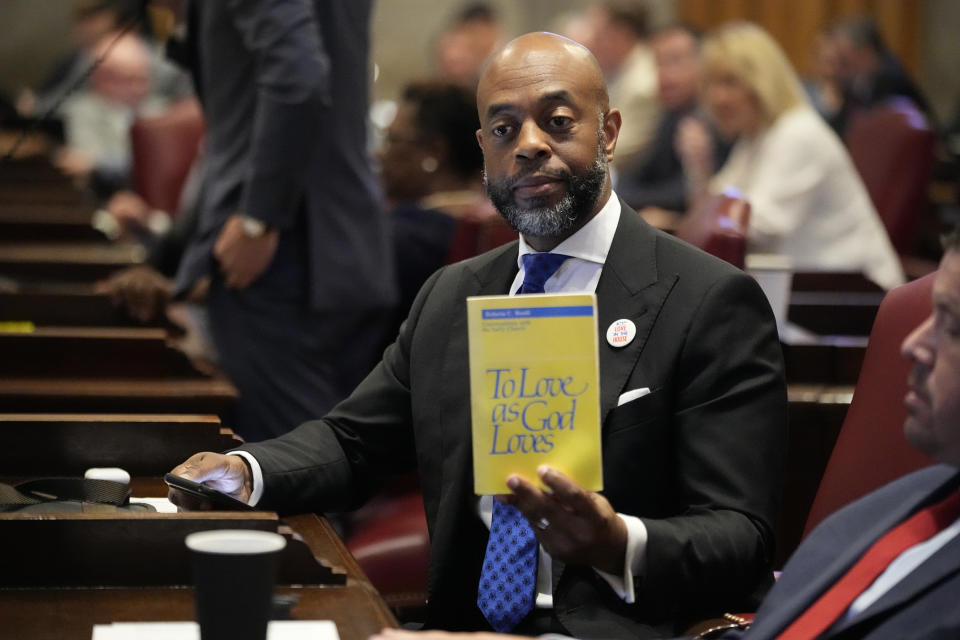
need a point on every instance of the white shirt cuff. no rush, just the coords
(257, 481)
(633, 562)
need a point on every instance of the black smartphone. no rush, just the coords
(219, 500)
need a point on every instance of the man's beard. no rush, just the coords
(559, 220)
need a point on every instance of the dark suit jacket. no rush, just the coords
(284, 87)
(926, 604)
(699, 458)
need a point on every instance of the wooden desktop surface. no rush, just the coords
(67, 614)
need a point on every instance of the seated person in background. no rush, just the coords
(913, 592)
(144, 290)
(870, 73)
(824, 87)
(92, 20)
(616, 32)
(466, 42)
(684, 526)
(431, 170)
(807, 201)
(97, 119)
(658, 180)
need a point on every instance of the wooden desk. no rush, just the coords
(212, 395)
(830, 360)
(93, 352)
(104, 370)
(66, 262)
(48, 222)
(38, 445)
(64, 306)
(816, 413)
(56, 612)
(840, 303)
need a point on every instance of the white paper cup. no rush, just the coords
(774, 274)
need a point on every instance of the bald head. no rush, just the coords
(123, 76)
(547, 133)
(546, 54)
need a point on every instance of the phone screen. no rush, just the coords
(217, 499)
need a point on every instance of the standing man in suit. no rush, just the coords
(684, 525)
(291, 230)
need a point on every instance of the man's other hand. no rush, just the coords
(243, 258)
(141, 290)
(573, 525)
(227, 474)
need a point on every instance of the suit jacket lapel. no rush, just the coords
(942, 564)
(631, 288)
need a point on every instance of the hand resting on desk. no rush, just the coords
(227, 474)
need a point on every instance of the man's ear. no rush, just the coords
(480, 138)
(611, 130)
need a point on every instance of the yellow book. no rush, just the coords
(534, 388)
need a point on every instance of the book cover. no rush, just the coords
(534, 388)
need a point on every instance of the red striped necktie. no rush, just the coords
(922, 525)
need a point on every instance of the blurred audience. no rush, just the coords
(92, 21)
(656, 180)
(870, 73)
(807, 201)
(114, 73)
(97, 119)
(824, 88)
(463, 46)
(616, 33)
(431, 168)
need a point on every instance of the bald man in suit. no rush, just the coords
(684, 525)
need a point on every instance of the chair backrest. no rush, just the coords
(473, 237)
(871, 449)
(719, 226)
(892, 147)
(164, 148)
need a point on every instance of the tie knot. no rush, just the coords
(537, 269)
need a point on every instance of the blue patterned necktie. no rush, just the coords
(508, 580)
(537, 269)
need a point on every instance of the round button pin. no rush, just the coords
(621, 333)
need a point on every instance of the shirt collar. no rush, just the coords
(592, 241)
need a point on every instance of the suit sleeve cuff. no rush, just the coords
(257, 481)
(622, 585)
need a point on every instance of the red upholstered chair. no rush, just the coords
(388, 537)
(164, 148)
(871, 449)
(473, 237)
(892, 147)
(719, 227)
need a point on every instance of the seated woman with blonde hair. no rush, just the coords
(807, 201)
